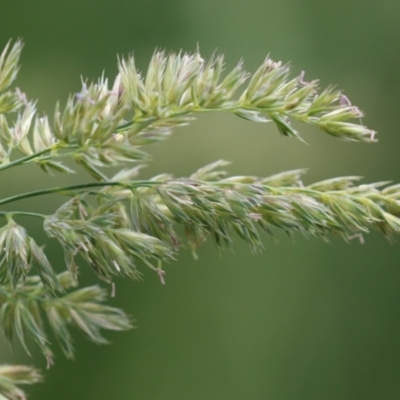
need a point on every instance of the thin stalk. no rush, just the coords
(81, 186)
(99, 173)
(22, 213)
(144, 122)
(24, 160)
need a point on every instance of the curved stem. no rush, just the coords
(81, 186)
(22, 213)
(100, 175)
(144, 122)
(24, 160)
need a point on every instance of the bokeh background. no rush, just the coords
(305, 319)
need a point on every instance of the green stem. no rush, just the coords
(62, 189)
(22, 213)
(144, 122)
(100, 175)
(24, 160)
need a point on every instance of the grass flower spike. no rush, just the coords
(116, 225)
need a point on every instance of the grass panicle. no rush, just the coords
(118, 224)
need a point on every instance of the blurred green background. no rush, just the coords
(305, 319)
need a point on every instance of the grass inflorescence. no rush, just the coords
(118, 224)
